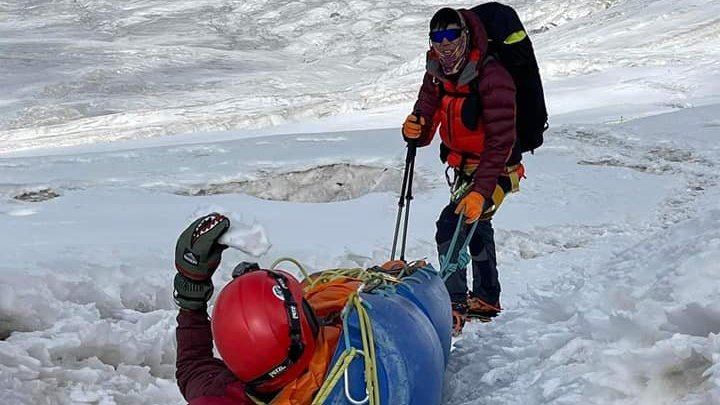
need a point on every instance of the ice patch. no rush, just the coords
(22, 212)
(333, 182)
(320, 139)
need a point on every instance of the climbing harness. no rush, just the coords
(463, 182)
(508, 182)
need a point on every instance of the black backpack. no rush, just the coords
(509, 44)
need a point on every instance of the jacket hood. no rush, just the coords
(478, 42)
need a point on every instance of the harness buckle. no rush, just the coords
(461, 185)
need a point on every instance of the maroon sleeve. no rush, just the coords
(497, 92)
(426, 105)
(198, 372)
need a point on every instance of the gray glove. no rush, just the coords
(190, 294)
(197, 256)
(198, 253)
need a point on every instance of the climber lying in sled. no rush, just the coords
(339, 337)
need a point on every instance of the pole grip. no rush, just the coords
(412, 150)
(412, 143)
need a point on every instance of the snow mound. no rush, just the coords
(654, 340)
(324, 183)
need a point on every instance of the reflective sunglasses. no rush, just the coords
(450, 34)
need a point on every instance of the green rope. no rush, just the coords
(447, 268)
(329, 275)
(293, 261)
(333, 377)
(368, 341)
(368, 352)
(366, 333)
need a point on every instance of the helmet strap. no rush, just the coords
(297, 347)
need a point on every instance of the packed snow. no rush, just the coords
(122, 122)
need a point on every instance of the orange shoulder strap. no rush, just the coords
(302, 390)
(327, 300)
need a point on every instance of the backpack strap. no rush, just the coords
(473, 83)
(489, 57)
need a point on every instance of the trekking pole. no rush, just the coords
(412, 148)
(406, 187)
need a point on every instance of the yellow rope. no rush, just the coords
(368, 342)
(332, 379)
(291, 260)
(366, 332)
(255, 400)
(329, 275)
(334, 376)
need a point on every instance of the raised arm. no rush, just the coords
(198, 373)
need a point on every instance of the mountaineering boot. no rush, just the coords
(459, 309)
(481, 310)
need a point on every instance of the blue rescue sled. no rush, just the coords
(412, 326)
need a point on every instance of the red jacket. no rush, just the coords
(490, 141)
(203, 379)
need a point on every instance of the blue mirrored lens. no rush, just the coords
(449, 34)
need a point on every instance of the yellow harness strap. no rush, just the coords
(514, 173)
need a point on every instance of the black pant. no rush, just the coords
(486, 285)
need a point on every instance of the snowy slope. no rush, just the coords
(604, 285)
(624, 313)
(80, 72)
(609, 256)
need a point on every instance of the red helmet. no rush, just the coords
(264, 330)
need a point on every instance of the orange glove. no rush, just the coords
(473, 204)
(412, 127)
(394, 266)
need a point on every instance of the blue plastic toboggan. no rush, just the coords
(412, 326)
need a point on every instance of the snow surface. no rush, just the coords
(285, 116)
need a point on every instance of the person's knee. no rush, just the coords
(480, 256)
(445, 228)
